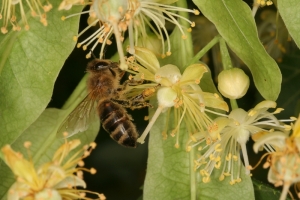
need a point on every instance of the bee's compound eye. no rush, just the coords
(100, 65)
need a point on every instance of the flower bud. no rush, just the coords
(233, 83)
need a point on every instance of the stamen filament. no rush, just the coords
(76, 14)
(141, 139)
(245, 156)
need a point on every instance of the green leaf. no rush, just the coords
(182, 51)
(30, 63)
(219, 190)
(264, 191)
(289, 11)
(168, 168)
(42, 135)
(169, 172)
(234, 22)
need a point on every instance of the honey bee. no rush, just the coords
(105, 97)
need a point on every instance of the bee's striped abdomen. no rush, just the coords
(117, 123)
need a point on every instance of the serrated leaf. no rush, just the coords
(289, 11)
(234, 22)
(42, 135)
(30, 63)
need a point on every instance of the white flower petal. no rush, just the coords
(239, 115)
(47, 194)
(147, 59)
(70, 181)
(265, 104)
(171, 72)
(17, 191)
(194, 73)
(276, 139)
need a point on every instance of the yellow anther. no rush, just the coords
(217, 148)
(196, 12)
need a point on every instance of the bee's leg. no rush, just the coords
(132, 104)
(122, 88)
(148, 92)
(138, 101)
(130, 82)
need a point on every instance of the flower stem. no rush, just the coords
(204, 50)
(226, 60)
(192, 175)
(284, 192)
(233, 104)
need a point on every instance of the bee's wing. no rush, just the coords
(80, 118)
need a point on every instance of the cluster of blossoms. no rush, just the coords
(9, 15)
(221, 142)
(56, 179)
(178, 92)
(229, 135)
(135, 16)
(283, 157)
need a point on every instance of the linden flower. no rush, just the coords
(116, 17)
(8, 13)
(178, 92)
(57, 179)
(227, 135)
(284, 162)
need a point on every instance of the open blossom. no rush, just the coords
(9, 16)
(116, 17)
(56, 179)
(284, 161)
(178, 94)
(228, 135)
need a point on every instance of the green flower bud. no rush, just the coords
(233, 83)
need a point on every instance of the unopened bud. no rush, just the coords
(233, 83)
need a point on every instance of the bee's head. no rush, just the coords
(99, 65)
